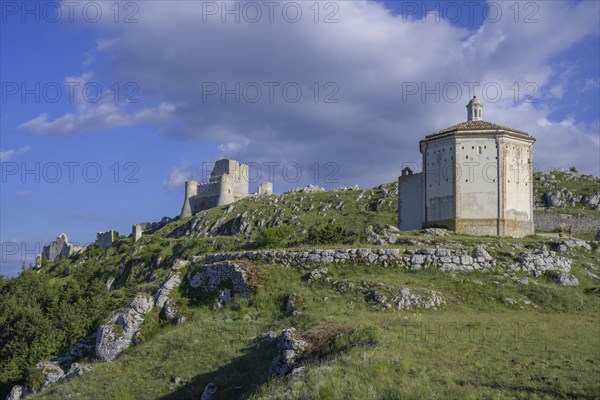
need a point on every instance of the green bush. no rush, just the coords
(276, 236)
(328, 234)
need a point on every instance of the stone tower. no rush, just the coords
(474, 110)
(477, 179)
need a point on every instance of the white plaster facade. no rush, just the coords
(476, 179)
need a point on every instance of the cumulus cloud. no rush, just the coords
(178, 176)
(9, 154)
(95, 109)
(372, 84)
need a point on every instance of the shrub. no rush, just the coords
(328, 234)
(276, 236)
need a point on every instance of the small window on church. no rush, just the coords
(467, 157)
(479, 150)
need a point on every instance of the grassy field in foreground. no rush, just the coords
(477, 346)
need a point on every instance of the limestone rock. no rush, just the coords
(52, 372)
(17, 393)
(316, 274)
(80, 349)
(553, 199)
(142, 303)
(308, 189)
(510, 302)
(170, 310)
(407, 300)
(481, 252)
(523, 281)
(290, 349)
(538, 262)
(566, 280)
(179, 264)
(121, 329)
(165, 291)
(77, 370)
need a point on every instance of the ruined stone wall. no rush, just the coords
(410, 202)
(59, 249)
(105, 239)
(548, 222)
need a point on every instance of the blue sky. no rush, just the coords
(356, 120)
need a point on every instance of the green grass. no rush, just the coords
(475, 347)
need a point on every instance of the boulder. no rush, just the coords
(52, 372)
(566, 280)
(17, 393)
(142, 303)
(121, 329)
(407, 300)
(481, 252)
(553, 199)
(165, 291)
(77, 370)
(290, 350)
(523, 281)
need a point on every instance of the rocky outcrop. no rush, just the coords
(17, 393)
(79, 350)
(122, 328)
(52, 373)
(406, 299)
(163, 294)
(215, 277)
(290, 350)
(565, 245)
(308, 189)
(565, 280)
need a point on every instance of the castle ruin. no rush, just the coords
(228, 183)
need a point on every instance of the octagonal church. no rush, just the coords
(476, 179)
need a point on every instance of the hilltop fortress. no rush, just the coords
(477, 179)
(229, 182)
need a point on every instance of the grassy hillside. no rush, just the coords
(494, 338)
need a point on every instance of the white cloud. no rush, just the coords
(178, 176)
(106, 112)
(371, 56)
(9, 154)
